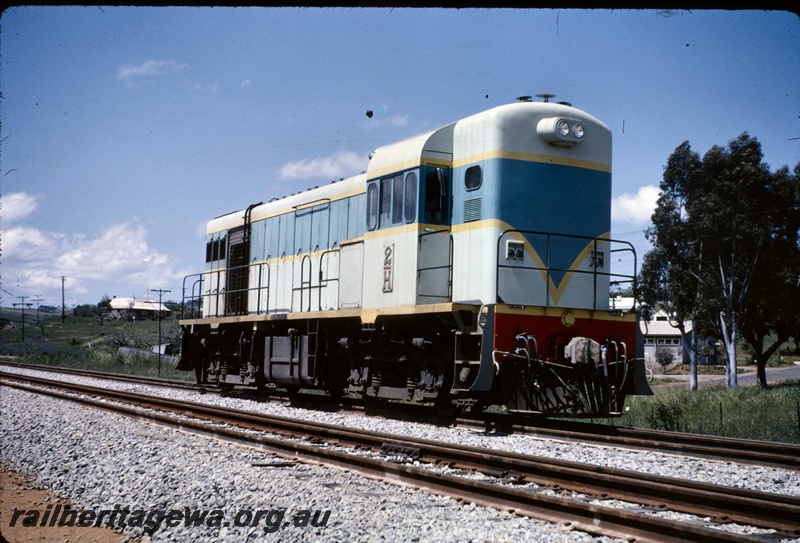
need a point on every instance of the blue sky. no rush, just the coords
(124, 129)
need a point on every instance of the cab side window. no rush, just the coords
(410, 209)
(392, 201)
(372, 206)
(435, 197)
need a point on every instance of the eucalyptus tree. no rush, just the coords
(719, 226)
(771, 316)
(667, 281)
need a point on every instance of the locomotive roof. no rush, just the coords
(451, 144)
(504, 129)
(335, 190)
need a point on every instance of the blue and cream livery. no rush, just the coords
(469, 265)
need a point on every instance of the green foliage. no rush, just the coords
(664, 357)
(726, 247)
(768, 414)
(82, 342)
(85, 310)
(665, 416)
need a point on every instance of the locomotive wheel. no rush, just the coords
(373, 402)
(335, 393)
(225, 388)
(446, 409)
(292, 390)
(263, 390)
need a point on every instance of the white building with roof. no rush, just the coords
(660, 334)
(135, 307)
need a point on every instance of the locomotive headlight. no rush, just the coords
(483, 316)
(561, 131)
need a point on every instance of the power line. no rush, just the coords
(36, 300)
(24, 304)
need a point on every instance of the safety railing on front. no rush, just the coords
(597, 265)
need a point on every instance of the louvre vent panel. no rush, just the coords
(472, 210)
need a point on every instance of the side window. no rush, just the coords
(435, 196)
(372, 206)
(223, 243)
(410, 210)
(393, 200)
(209, 250)
(386, 203)
(397, 199)
(473, 177)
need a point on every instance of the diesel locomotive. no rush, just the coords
(468, 266)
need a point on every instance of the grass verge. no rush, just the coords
(767, 414)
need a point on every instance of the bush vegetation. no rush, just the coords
(746, 412)
(83, 342)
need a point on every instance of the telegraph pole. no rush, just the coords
(63, 307)
(23, 304)
(160, 292)
(38, 299)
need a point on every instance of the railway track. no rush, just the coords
(509, 481)
(744, 451)
(123, 377)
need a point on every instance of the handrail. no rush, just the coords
(548, 269)
(313, 203)
(198, 301)
(323, 283)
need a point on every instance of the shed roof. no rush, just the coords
(138, 304)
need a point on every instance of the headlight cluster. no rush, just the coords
(561, 131)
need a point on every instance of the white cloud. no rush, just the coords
(379, 120)
(116, 261)
(132, 74)
(246, 83)
(335, 166)
(635, 208)
(27, 244)
(18, 205)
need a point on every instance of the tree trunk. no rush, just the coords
(732, 377)
(688, 340)
(729, 339)
(762, 356)
(761, 373)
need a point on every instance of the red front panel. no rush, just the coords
(553, 329)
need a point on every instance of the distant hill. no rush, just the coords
(11, 316)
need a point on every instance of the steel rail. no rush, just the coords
(125, 377)
(767, 510)
(745, 451)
